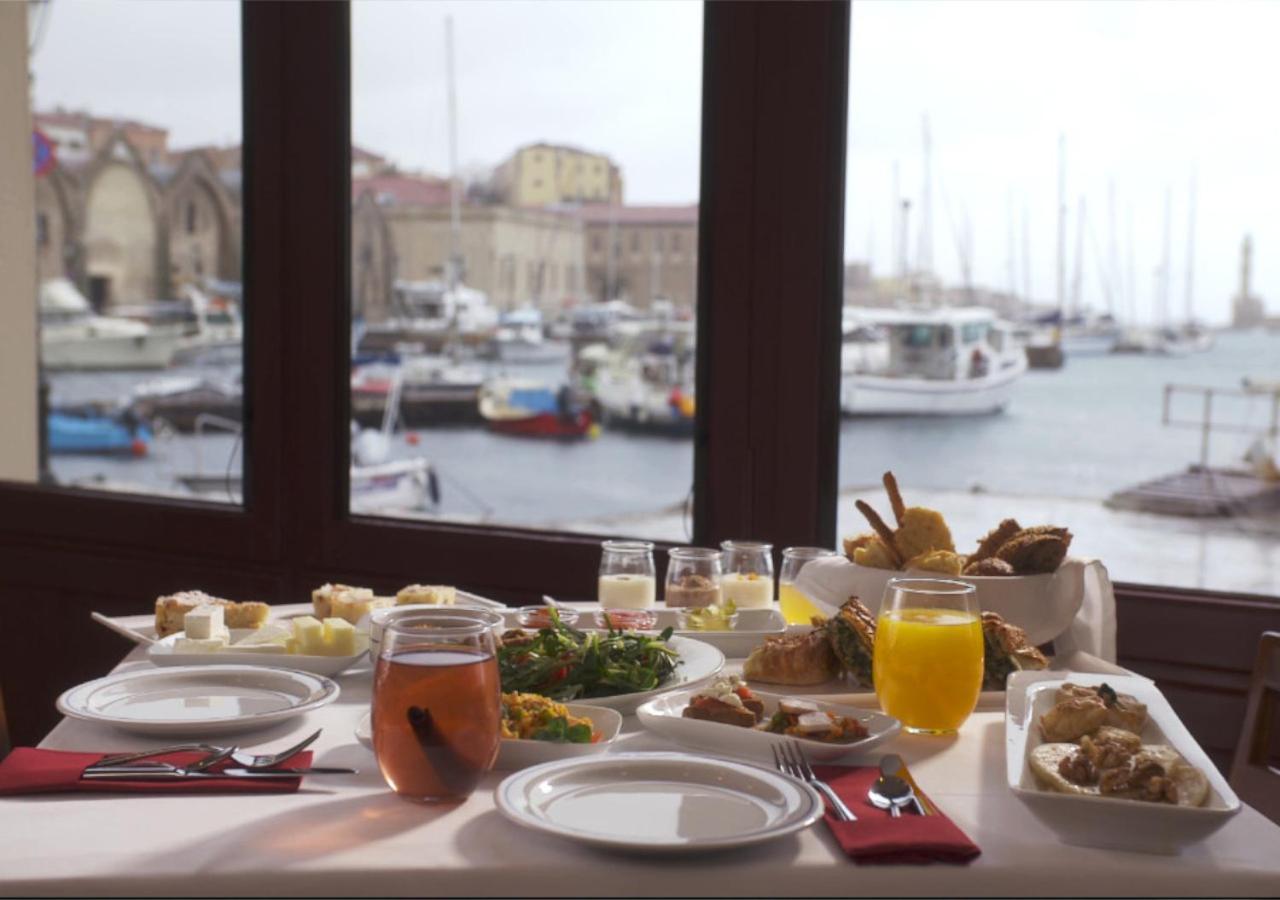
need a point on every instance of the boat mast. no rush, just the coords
(924, 250)
(455, 211)
(895, 225)
(1078, 274)
(1026, 253)
(1132, 280)
(1191, 247)
(1062, 226)
(1010, 262)
(1113, 253)
(1165, 260)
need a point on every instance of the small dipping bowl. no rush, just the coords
(539, 616)
(626, 619)
(690, 620)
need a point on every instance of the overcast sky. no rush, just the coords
(1143, 92)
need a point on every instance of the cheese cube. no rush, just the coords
(309, 634)
(340, 638)
(200, 645)
(203, 622)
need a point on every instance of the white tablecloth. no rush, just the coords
(349, 835)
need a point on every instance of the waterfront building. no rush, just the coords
(543, 174)
(642, 253)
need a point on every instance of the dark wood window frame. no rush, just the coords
(766, 441)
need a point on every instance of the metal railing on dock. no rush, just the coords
(1206, 423)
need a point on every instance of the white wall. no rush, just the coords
(18, 336)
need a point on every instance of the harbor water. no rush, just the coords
(1071, 436)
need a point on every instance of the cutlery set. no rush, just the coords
(141, 766)
(890, 792)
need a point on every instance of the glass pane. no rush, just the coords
(135, 112)
(524, 261)
(1036, 250)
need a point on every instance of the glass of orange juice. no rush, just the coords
(928, 653)
(797, 608)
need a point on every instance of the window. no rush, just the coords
(1132, 261)
(132, 280)
(508, 446)
(675, 242)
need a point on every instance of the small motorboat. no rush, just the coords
(532, 409)
(96, 429)
(433, 390)
(178, 401)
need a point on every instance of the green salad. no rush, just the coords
(566, 664)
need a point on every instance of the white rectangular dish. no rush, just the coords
(664, 716)
(753, 626)
(162, 653)
(1111, 822)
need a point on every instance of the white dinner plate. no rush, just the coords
(1113, 823)
(698, 662)
(658, 802)
(520, 754)
(663, 716)
(162, 653)
(197, 699)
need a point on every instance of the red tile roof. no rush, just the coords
(602, 213)
(403, 190)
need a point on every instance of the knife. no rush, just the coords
(136, 774)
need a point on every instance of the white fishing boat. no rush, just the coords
(520, 338)
(646, 381)
(940, 362)
(73, 336)
(433, 315)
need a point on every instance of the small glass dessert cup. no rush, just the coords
(693, 577)
(539, 616)
(626, 619)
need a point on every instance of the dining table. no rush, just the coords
(350, 835)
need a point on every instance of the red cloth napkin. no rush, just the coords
(29, 770)
(878, 837)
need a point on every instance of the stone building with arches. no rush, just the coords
(129, 229)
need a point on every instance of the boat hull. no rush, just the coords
(95, 434)
(143, 351)
(877, 395)
(545, 425)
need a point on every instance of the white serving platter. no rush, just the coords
(520, 754)
(1111, 822)
(663, 715)
(162, 653)
(1043, 605)
(197, 700)
(753, 626)
(658, 802)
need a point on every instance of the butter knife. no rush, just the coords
(136, 774)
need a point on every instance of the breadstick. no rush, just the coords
(885, 532)
(895, 496)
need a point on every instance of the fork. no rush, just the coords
(216, 755)
(791, 760)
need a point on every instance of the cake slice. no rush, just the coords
(172, 609)
(433, 594)
(323, 596)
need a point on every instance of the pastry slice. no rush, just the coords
(433, 594)
(1006, 649)
(322, 597)
(852, 635)
(792, 659)
(173, 608)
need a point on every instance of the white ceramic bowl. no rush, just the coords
(1110, 822)
(517, 754)
(1043, 605)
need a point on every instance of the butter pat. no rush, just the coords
(309, 634)
(340, 638)
(260, 647)
(200, 645)
(203, 623)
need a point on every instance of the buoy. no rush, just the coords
(594, 431)
(138, 447)
(412, 439)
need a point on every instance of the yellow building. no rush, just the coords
(544, 174)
